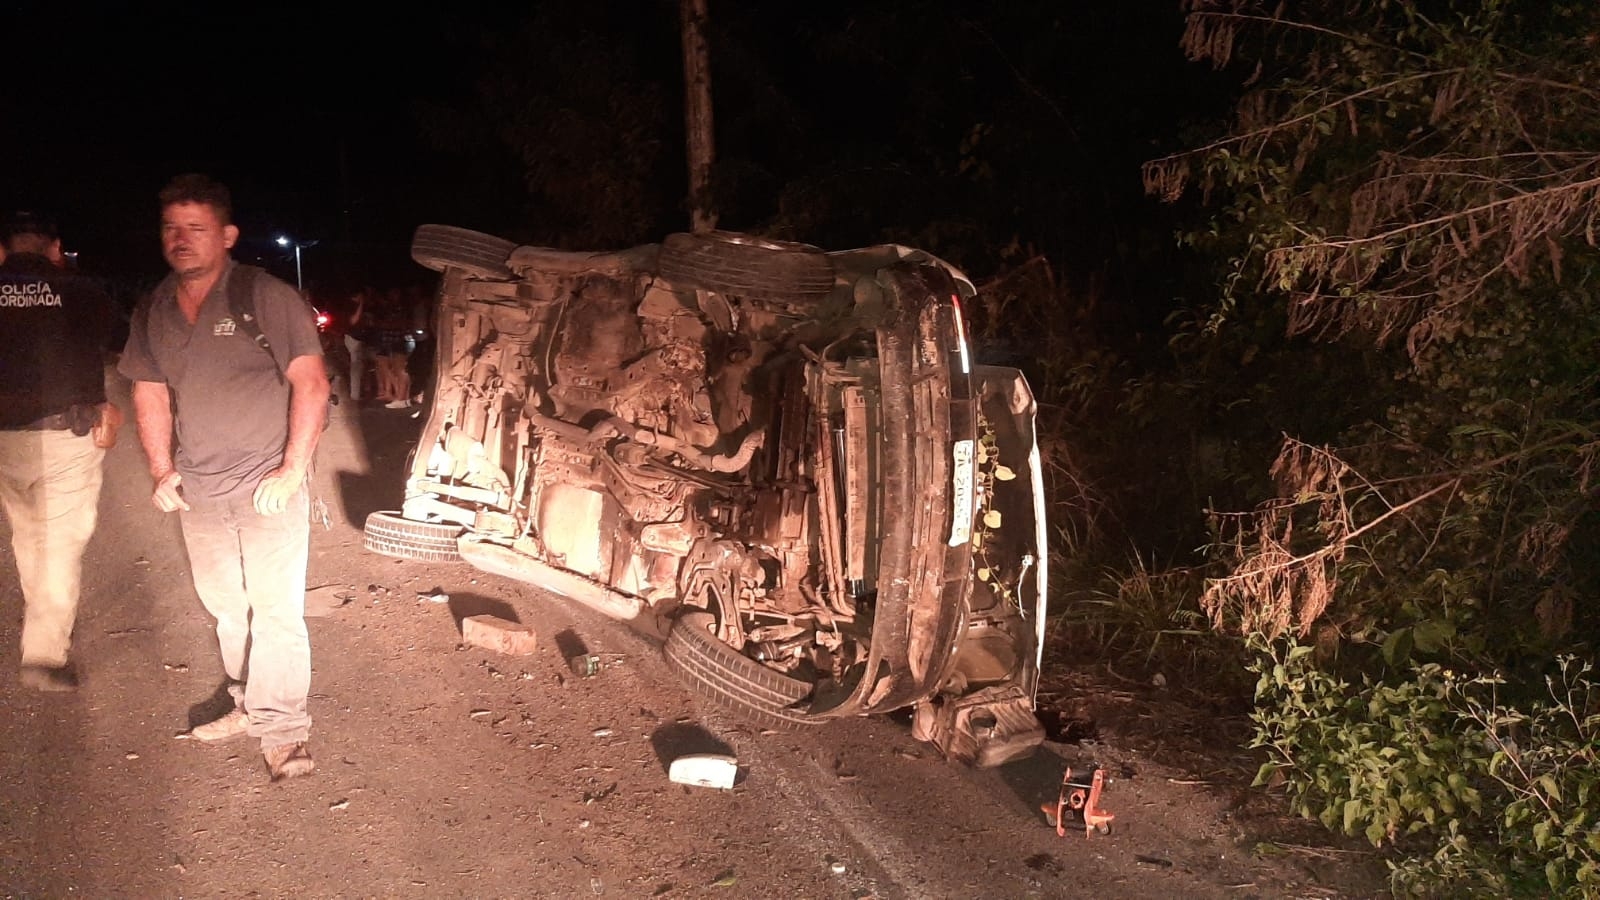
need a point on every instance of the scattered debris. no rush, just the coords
(175, 667)
(436, 595)
(324, 599)
(713, 770)
(838, 868)
(500, 635)
(1153, 860)
(726, 879)
(585, 666)
(141, 561)
(602, 732)
(478, 714)
(130, 755)
(340, 804)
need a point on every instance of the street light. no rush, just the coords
(284, 241)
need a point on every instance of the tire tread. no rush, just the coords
(441, 247)
(736, 683)
(388, 534)
(791, 274)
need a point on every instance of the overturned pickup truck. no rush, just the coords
(779, 461)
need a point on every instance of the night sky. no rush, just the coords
(305, 111)
(312, 113)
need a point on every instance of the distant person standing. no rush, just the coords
(247, 420)
(358, 339)
(394, 387)
(394, 381)
(55, 424)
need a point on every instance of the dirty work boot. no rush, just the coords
(231, 725)
(288, 760)
(52, 679)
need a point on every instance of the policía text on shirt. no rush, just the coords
(32, 293)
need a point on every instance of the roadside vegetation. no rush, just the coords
(1405, 206)
(1308, 295)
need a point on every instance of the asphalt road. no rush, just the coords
(446, 771)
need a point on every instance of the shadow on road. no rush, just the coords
(569, 645)
(677, 739)
(364, 453)
(1036, 781)
(214, 707)
(464, 606)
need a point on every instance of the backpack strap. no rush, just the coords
(242, 307)
(242, 304)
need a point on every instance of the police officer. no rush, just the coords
(54, 425)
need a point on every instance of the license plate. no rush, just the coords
(961, 482)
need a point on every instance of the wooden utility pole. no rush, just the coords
(697, 114)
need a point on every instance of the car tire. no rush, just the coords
(732, 680)
(390, 534)
(729, 263)
(441, 247)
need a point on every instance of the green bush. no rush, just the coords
(1476, 794)
(1378, 760)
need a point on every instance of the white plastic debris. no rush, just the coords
(713, 770)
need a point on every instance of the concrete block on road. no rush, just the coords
(499, 635)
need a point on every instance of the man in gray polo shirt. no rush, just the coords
(246, 419)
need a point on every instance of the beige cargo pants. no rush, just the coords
(50, 490)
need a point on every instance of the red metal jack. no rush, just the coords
(1082, 800)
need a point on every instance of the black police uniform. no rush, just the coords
(54, 326)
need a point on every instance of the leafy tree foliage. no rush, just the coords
(1421, 171)
(1421, 176)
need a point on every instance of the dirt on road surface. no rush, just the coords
(450, 771)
